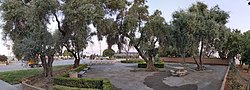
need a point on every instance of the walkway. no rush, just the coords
(123, 79)
(6, 86)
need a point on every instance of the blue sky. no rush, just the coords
(238, 10)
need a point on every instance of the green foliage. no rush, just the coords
(92, 56)
(132, 61)
(67, 54)
(107, 85)
(234, 83)
(144, 65)
(84, 83)
(58, 87)
(108, 52)
(78, 82)
(3, 58)
(198, 24)
(245, 48)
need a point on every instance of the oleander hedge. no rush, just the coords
(144, 65)
(132, 61)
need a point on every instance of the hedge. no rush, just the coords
(132, 61)
(3, 58)
(144, 65)
(59, 87)
(103, 84)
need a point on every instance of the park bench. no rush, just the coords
(84, 71)
(81, 74)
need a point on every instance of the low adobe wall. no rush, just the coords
(208, 61)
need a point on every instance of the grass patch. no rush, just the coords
(15, 77)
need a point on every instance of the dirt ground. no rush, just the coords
(243, 73)
(40, 81)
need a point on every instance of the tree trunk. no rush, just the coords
(44, 64)
(126, 55)
(183, 58)
(196, 62)
(241, 63)
(76, 63)
(200, 57)
(248, 68)
(47, 70)
(49, 85)
(109, 46)
(77, 60)
(150, 64)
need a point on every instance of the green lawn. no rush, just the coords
(14, 77)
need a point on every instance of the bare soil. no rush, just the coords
(243, 73)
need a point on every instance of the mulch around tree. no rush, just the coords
(40, 81)
(155, 82)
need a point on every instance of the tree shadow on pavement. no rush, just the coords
(156, 82)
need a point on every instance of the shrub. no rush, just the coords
(132, 61)
(144, 65)
(84, 83)
(108, 53)
(79, 82)
(92, 56)
(58, 87)
(3, 58)
(107, 85)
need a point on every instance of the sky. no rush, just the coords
(238, 10)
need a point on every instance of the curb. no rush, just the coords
(225, 79)
(26, 86)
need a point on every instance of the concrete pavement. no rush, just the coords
(18, 65)
(6, 86)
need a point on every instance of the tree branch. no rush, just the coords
(58, 24)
